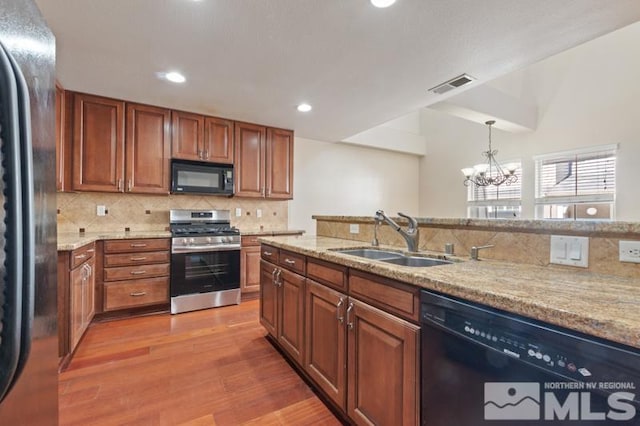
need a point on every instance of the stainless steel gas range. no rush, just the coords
(205, 260)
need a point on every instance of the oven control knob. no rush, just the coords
(192, 240)
(184, 241)
(209, 239)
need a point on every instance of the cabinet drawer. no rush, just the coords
(293, 261)
(136, 272)
(128, 246)
(81, 255)
(143, 292)
(269, 253)
(327, 273)
(128, 259)
(250, 240)
(389, 295)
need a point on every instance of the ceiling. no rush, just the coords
(357, 65)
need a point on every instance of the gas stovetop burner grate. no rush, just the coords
(181, 230)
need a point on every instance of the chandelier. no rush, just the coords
(491, 172)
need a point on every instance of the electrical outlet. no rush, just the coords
(238, 212)
(629, 251)
(354, 228)
(258, 212)
(101, 210)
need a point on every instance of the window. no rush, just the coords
(576, 184)
(496, 202)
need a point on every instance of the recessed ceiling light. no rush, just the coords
(382, 3)
(304, 108)
(175, 77)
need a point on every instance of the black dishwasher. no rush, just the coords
(481, 367)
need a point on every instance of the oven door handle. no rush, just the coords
(205, 248)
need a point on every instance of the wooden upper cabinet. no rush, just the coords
(187, 135)
(279, 164)
(148, 149)
(250, 151)
(263, 162)
(98, 144)
(218, 140)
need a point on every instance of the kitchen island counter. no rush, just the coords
(604, 306)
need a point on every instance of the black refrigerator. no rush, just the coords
(28, 329)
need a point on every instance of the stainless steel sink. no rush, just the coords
(371, 253)
(394, 257)
(416, 262)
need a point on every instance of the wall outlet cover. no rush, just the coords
(238, 212)
(258, 212)
(629, 251)
(354, 228)
(101, 210)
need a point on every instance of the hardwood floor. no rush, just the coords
(210, 367)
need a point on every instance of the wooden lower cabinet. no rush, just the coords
(250, 265)
(326, 345)
(282, 308)
(135, 274)
(364, 359)
(76, 296)
(268, 298)
(382, 364)
(291, 322)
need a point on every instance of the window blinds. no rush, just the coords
(577, 176)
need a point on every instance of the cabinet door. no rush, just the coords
(250, 160)
(76, 306)
(279, 164)
(268, 298)
(325, 345)
(88, 296)
(291, 325)
(187, 135)
(250, 269)
(148, 149)
(98, 144)
(218, 140)
(382, 367)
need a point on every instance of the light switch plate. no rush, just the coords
(568, 250)
(629, 251)
(354, 228)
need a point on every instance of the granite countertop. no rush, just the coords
(273, 232)
(604, 306)
(74, 240)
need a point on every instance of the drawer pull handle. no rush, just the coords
(137, 259)
(349, 322)
(138, 245)
(138, 294)
(267, 253)
(138, 272)
(90, 251)
(290, 262)
(339, 317)
(80, 256)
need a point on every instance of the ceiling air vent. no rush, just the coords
(454, 83)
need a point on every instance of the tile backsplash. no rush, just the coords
(151, 212)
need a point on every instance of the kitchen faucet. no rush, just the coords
(411, 235)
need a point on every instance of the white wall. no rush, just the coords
(340, 179)
(587, 96)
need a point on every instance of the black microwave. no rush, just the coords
(193, 177)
